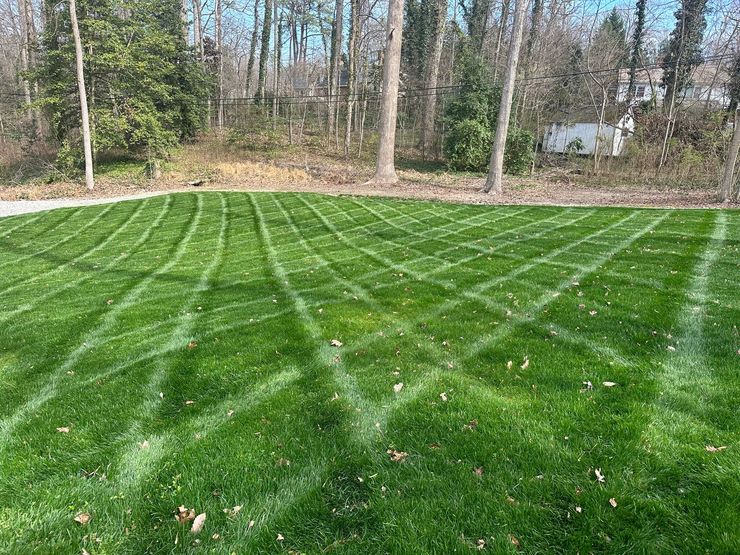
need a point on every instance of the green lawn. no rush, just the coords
(183, 346)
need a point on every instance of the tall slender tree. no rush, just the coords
(85, 116)
(253, 47)
(638, 39)
(352, 55)
(264, 50)
(385, 171)
(334, 64)
(430, 101)
(496, 170)
(728, 175)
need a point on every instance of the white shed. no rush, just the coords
(613, 138)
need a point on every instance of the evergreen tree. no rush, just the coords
(683, 51)
(145, 90)
(638, 38)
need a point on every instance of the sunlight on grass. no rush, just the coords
(368, 376)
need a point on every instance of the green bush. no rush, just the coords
(519, 152)
(468, 146)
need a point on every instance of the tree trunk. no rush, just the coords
(220, 76)
(185, 25)
(264, 50)
(334, 73)
(198, 29)
(252, 49)
(496, 170)
(26, 55)
(277, 31)
(385, 171)
(86, 142)
(354, 43)
(500, 35)
(728, 175)
(430, 104)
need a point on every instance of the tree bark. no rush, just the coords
(430, 104)
(385, 171)
(26, 55)
(334, 73)
(86, 141)
(185, 25)
(198, 29)
(354, 43)
(252, 48)
(728, 175)
(220, 76)
(495, 173)
(264, 50)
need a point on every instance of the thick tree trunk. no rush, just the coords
(264, 50)
(728, 175)
(253, 48)
(27, 58)
(334, 72)
(495, 172)
(86, 141)
(353, 51)
(430, 104)
(385, 171)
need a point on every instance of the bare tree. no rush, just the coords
(430, 104)
(385, 171)
(25, 14)
(86, 142)
(264, 50)
(252, 48)
(198, 29)
(220, 54)
(728, 175)
(352, 54)
(495, 173)
(334, 72)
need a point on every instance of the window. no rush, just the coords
(640, 91)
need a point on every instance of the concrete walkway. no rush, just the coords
(15, 207)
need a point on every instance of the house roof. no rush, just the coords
(708, 73)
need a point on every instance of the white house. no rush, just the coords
(562, 136)
(708, 88)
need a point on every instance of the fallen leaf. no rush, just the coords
(713, 449)
(599, 476)
(525, 365)
(589, 385)
(198, 523)
(280, 537)
(184, 514)
(397, 456)
(63, 430)
(230, 413)
(189, 402)
(478, 471)
(82, 519)
(579, 510)
(592, 312)
(251, 525)
(514, 540)
(443, 396)
(613, 502)
(233, 511)
(509, 365)
(472, 425)
(109, 302)
(398, 387)
(144, 445)
(481, 544)
(192, 345)
(336, 343)
(671, 348)
(609, 384)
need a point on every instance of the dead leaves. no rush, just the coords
(398, 387)
(713, 449)
(443, 396)
(599, 476)
(478, 471)
(472, 425)
(608, 384)
(82, 519)
(232, 512)
(613, 503)
(336, 343)
(397, 456)
(192, 345)
(198, 523)
(63, 430)
(184, 515)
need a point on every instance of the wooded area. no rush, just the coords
(621, 90)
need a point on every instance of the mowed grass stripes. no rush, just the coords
(183, 346)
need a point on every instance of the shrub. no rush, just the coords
(468, 146)
(519, 152)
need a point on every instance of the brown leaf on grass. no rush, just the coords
(198, 523)
(579, 510)
(511, 501)
(398, 387)
(525, 364)
(609, 384)
(397, 456)
(189, 402)
(109, 302)
(283, 462)
(143, 445)
(478, 471)
(232, 512)
(513, 539)
(184, 515)
(82, 518)
(613, 502)
(63, 430)
(472, 425)
(481, 545)
(509, 365)
(713, 449)
(280, 537)
(336, 343)
(443, 396)
(192, 345)
(599, 476)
